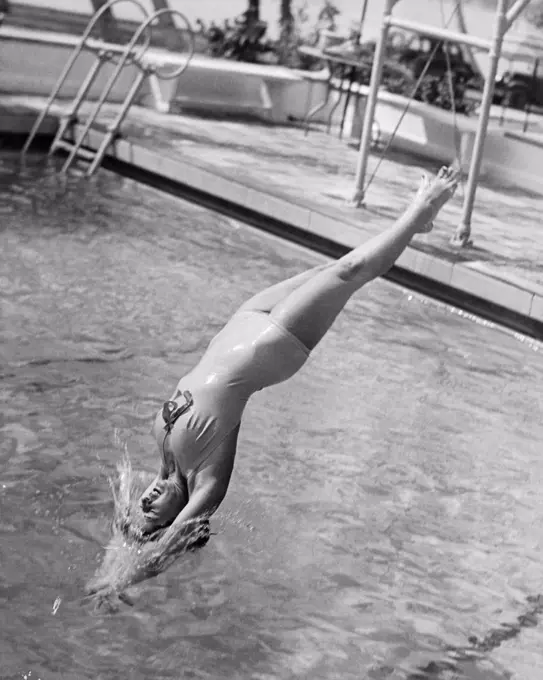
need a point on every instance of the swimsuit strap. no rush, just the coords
(171, 410)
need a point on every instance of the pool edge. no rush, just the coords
(518, 305)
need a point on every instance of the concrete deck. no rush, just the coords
(305, 182)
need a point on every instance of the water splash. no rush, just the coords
(131, 556)
(56, 605)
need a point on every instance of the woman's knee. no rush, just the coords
(348, 269)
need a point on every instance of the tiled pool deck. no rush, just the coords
(306, 182)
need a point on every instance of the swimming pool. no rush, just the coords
(385, 503)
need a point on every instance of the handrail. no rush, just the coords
(192, 45)
(75, 54)
(103, 10)
(128, 54)
(109, 85)
(144, 70)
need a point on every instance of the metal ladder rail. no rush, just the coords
(112, 131)
(83, 43)
(144, 71)
(102, 56)
(176, 72)
(97, 156)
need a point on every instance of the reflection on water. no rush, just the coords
(385, 505)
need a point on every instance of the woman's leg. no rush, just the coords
(268, 298)
(309, 311)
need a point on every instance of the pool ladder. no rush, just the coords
(68, 137)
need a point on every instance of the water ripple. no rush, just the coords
(380, 521)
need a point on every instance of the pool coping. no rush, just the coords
(513, 302)
(21, 122)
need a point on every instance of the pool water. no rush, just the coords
(386, 501)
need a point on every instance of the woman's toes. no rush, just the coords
(454, 181)
(452, 172)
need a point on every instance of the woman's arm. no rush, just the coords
(123, 566)
(210, 486)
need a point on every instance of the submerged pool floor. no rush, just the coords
(385, 504)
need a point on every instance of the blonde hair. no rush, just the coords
(133, 554)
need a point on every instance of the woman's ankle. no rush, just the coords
(420, 213)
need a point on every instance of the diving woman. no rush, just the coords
(266, 342)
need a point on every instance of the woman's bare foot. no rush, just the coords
(423, 187)
(435, 193)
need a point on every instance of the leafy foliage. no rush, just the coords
(245, 40)
(534, 13)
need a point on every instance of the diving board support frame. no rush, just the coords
(440, 33)
(504, 18)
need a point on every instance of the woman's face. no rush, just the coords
(161, 502)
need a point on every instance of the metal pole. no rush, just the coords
(515, 11)
(71, 117)
(116, 124)
(440, 33)
(528, 108)
(462, 27)
(463, 231)
(60, 82)
(365, 4)
(371, 104)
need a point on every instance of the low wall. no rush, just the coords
(223, 86)
(33, 60)
(426, 131)
(512, 158)
(54, 20)
(515, 159)
(31, 64)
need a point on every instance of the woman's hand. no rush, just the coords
(124, 566)
(190, 535)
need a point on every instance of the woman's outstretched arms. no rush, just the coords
(127, 563)
(210, 486)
